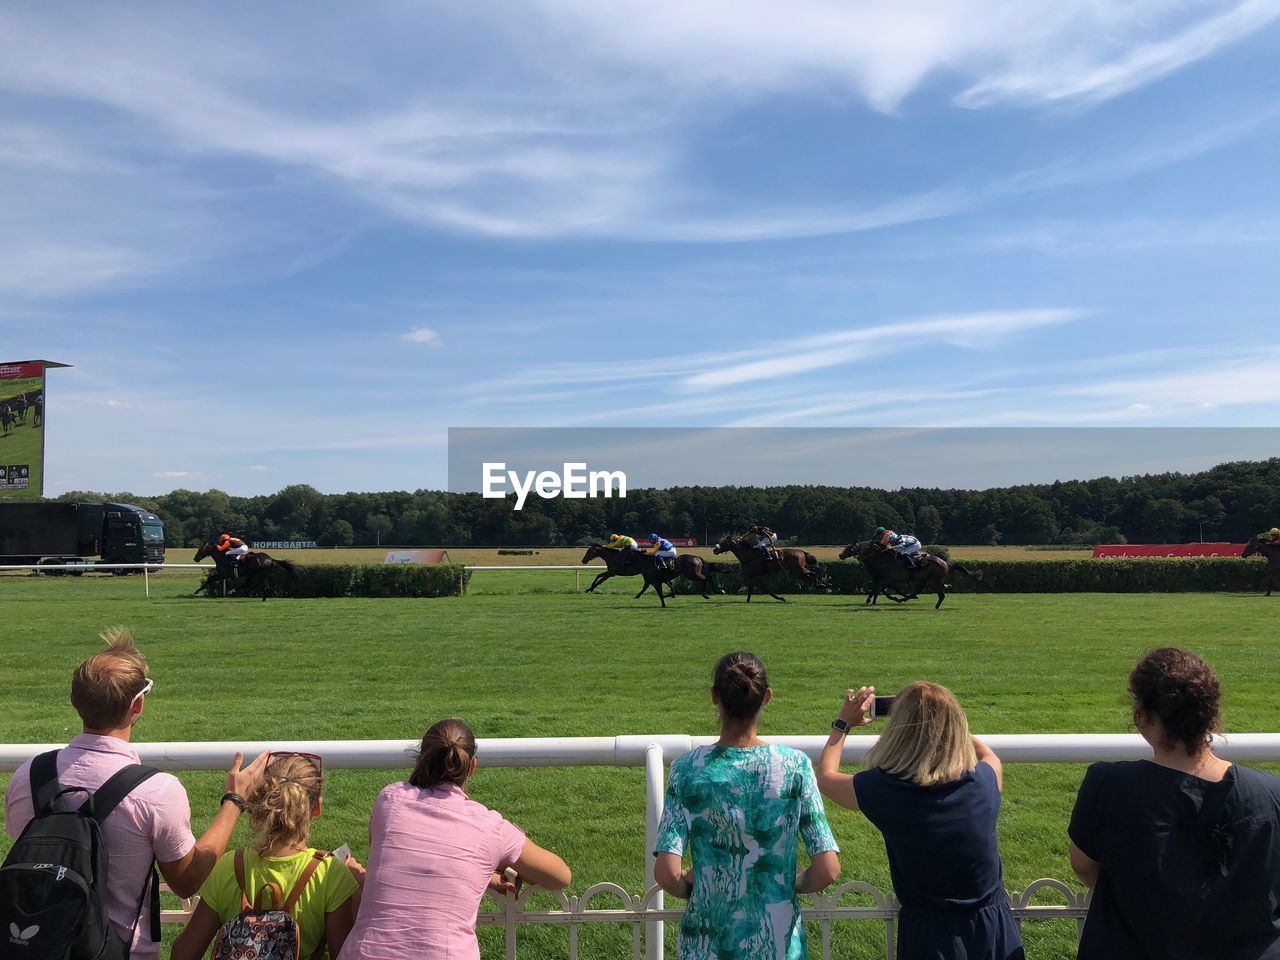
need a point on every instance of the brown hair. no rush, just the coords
(740, 684)
(1181, 691)
(280, 804)
(927, 738)
(445, 755)
(104, 686)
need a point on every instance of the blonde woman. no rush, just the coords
(281, 809)
(933, 790)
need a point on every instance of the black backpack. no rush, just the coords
(53, 882)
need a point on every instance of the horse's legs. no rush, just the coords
(941, 596)
(646, 586)
(776, 597)
(600, 578)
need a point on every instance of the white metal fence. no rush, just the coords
(646, 912)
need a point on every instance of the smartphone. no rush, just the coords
(341, 853)
(881, 707)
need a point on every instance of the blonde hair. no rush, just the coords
(104, 686)
(281, 803)
(927, 738)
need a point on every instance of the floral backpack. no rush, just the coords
(271, 934)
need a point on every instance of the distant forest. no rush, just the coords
(1232, 501)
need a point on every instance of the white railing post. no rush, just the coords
(654, 790)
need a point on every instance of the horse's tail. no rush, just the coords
(975, 574)
(720, 567)
(288, 566)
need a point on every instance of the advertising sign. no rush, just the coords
(22, 430)
(1168, 549)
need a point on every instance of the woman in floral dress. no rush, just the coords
(739, 808)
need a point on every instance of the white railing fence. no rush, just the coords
(647, 912)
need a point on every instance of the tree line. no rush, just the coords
(1232, 501)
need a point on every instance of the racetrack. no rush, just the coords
(516, 664)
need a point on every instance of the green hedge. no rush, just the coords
(1085, 575)
(364, 580)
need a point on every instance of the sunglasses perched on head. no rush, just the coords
(146, 688)
(282, 754)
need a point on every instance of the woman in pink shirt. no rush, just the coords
(432, 854)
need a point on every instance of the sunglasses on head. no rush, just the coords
(146, 688)
(281, 754)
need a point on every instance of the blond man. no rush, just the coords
(153, 823)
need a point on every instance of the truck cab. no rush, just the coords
(131, 535)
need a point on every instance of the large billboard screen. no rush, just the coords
(22, 430)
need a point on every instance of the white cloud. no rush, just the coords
(257, 468)
(177, 474)
(422, 335)
(119, 405)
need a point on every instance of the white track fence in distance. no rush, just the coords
(646, 912)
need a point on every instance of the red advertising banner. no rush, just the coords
(1168, 549)
(675, 541)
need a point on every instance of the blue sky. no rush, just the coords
(296, 242)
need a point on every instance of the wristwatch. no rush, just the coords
(840, 724)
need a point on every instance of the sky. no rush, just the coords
(295, 243)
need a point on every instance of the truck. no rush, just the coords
(54, 534)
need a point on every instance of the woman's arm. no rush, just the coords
(1086, 869)
(835, 785)
(669, 874)
(987, 755)
(196, 936)
(823, 871)
(542, 867)
(338, 923)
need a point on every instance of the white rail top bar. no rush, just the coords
(55, 568)
(629, 751)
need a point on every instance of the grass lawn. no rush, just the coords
(523, 655)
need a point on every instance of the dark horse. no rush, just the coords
(756, 566)
(889, 575)
(630, 563)
(254, 570)
(1261, 546)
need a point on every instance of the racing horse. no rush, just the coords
(630, 563)
(255, 570)
(6, 420)
(20, 402)
(889, 575)
(1261, 546)
(756, 566)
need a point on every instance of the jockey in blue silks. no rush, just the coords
(663, 550)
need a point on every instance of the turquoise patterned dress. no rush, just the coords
(740, 812)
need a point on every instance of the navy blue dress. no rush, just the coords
(945, 865)
(1189, 868)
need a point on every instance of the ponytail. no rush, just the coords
(281, 803)
(446, 754)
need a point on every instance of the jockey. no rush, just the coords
(233, 548)
(620, 541)
(1273, 535)
(663, 550)
(765, 538)
(903, 544)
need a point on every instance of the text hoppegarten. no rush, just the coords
(575, 482)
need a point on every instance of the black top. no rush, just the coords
(941, 840)
(1189, 868)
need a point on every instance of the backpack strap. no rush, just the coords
(315, 861)
(44, 782)
(118, 786)
(244, 890)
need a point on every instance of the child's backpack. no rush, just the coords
(54, 880)
(271, 934)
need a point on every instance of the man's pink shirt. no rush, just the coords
(431, 855)
(154, 820)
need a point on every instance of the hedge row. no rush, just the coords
(1085, 575)
(363, 580)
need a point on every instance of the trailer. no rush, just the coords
(56, 533)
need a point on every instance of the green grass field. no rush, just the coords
(22, 445)
(523, 655)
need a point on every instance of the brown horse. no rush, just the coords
(888, 571)
(629, 563)
(756, 566)
(1261, 546)
(254, 570)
